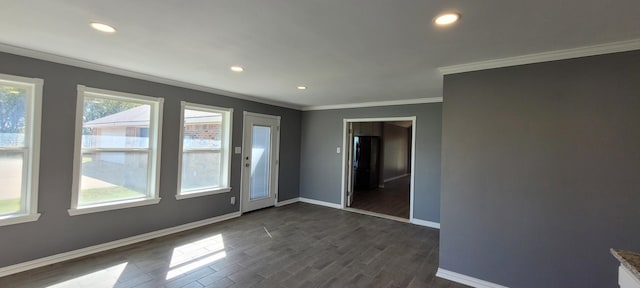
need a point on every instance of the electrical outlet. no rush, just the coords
(233, 200)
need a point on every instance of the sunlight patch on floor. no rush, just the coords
(103, 278)
(194, 255)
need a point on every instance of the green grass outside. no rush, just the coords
(9, 206)
(86, 159)
(91, 196)
(100, 195)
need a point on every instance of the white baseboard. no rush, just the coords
(466, 280)
(24, 266)
(425, 223)
(374, 214)
(287, 202)
(321, 203)
(396, 177)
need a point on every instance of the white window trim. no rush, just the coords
(226, 153)
(114, 206)
(204, 192)
(32, 146)
(154, 151)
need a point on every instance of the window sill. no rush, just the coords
(17, 219)
(202, 193)
(113, 206)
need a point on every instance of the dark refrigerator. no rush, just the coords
(366, 162)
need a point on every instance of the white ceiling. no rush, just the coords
(345, 51)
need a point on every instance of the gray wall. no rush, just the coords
(56, 231)
(321, 166)
(541, 171)
(395, 149)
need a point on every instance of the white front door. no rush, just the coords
(260, 161)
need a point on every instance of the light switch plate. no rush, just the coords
(338, 150)
(238, 150)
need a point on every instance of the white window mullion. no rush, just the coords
(13, 149)
(202, 150)
(94, 150)
(151, 185)
(25, 181)
(221, 166)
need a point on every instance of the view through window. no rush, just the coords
(205, 149)
(19, 98)
(13, 154)
(117, 149)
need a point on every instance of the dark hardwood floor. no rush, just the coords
(392, 200)
(298, 245)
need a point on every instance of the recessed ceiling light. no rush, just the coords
(446, 19)
(236, 69)
(102, 27)
(302, 87)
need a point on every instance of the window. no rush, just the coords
(205, 155)
(117, 161)
(20, 106)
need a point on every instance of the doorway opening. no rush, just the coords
(378, 165)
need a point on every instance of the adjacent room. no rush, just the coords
(283, 143)
(378, 177)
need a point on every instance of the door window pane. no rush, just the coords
(260, 162)
(200, 170)
(11, 167)
(113, 176)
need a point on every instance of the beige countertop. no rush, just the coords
(631, 260)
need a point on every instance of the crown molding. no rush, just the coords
(593, 50)
(46, 56)
(374, 104)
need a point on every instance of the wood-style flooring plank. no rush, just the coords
(298, 245)
(391, 200)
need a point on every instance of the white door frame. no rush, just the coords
(345, 155)
(277, 158)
